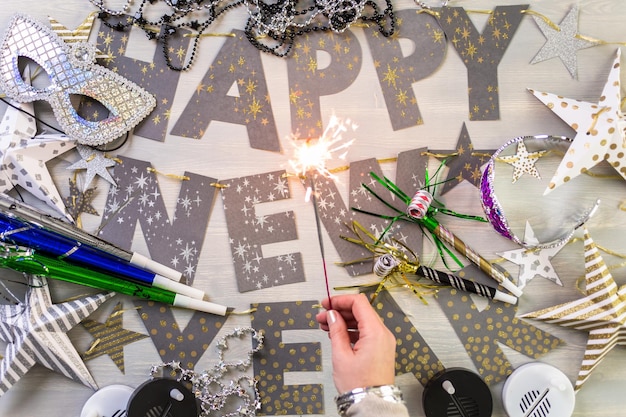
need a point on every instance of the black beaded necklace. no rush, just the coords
(271, 28)
(183, 14)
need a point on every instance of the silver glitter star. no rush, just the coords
(562, 42)
(95, 162)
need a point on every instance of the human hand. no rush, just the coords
(363, 349)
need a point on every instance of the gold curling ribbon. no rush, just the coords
(595, 117)
(218, 185)
(93, 346)
(544, 18)
(340, 168)
(76, 297)
(439, 155)
(598, 41)
(174, 176)
(118, 313)
(397, 277)
(243, 312)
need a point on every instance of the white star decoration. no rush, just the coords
(523, 162)
(533, 262)
(562, 42)
(600, 129)
(23, 156)
(602, 312)
(36, 332)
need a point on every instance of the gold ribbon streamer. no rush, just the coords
(93, 346)
(397, 278)
(243, 312)
(174, 176)
(544, 18)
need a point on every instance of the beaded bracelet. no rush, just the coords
(525, 162)
(390, 393)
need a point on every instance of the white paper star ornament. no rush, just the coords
(523, 162)
(602, 312)
(19, 124)
(599, 129)
(23, 157)
(36, 332)
(533, 262)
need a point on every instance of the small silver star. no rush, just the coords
(95, 162)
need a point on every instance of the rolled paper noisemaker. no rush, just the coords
(421, 209)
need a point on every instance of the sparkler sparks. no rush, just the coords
(311, 155)
(310, 158)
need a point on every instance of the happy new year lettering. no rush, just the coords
(481, 53)
(278, 358)
(322, 64)
(175, 242)
(248, 231)
(233, 90)
(154, 76)
(398, 69)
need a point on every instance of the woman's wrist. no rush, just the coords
(390, 393)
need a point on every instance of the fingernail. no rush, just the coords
(332, 316)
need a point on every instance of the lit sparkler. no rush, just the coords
(310, 158)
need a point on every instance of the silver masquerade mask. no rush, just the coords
(71, 71)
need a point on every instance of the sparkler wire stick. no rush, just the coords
(310, 159)
(320, 239)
